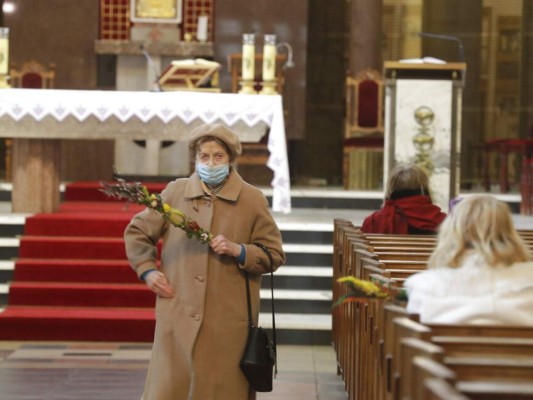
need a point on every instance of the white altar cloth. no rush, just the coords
(18, 104)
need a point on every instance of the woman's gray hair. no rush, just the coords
(407, 176)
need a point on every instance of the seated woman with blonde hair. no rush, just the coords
(480, 272)
(407, 208)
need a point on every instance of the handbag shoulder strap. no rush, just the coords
(250, 321)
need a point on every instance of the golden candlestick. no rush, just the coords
(269, 87)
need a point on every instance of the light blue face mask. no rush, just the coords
(212, 175)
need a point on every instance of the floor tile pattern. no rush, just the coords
(116, 371)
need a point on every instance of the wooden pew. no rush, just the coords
(403, 328)
(496, 390)
(502, 379)
(425, 368)
(397, 270)
(367, 346)
(366, 354)
(513, 368)
(482, 346)
(411, 247)
(479, 352)
(340, 315)
(391, 312)
(440, 389)
(411, 347)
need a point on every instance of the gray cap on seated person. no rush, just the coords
(219, 131)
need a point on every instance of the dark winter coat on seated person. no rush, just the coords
(407, 208)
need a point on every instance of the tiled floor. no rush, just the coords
(116, 371)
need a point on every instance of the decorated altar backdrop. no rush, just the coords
(23, 110)
(424, 131)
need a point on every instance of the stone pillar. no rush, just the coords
(365, 47)
(1, 12)
(35, 175)
(462, 19)
(526, 78)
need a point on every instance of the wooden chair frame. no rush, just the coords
(47, 74)
(367, 140)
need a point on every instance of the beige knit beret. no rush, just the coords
(219, 131)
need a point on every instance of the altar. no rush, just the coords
(36, 119)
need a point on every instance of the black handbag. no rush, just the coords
(258, 363)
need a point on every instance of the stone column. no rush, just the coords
(526, 78)
(365, 47)
(462, 19)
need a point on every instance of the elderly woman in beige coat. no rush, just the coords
(201, 309)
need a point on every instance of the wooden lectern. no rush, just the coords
(197, 75)
(423, 122)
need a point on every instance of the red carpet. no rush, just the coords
(73, 294)
(89, 191)
(77, 323)
(78, 223)
(70, 270)
(72, 280)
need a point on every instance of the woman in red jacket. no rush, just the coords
(407, 208)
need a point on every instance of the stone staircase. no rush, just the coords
(302, 286)
(303, 296)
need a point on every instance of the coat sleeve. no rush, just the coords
(266, 232)
(141, 237)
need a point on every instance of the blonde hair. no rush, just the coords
(408, 176)
(481, 224)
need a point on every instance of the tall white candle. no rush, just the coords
(269, 58)
(201, 31)
(248, 56)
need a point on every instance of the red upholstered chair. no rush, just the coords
(363, 134)
(504, 147)
(32, 75)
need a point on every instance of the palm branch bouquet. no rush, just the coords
(361, 291)
(137, 193)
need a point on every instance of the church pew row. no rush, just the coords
(474, 378)
(475, 354)
(365, 358)
(346, 262)
(472, 353)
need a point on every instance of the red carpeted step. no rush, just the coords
(72, 280)
(78, 224)
(68, 270)
(90, 190)
(81, 294)
(77, 323)
(72, 247)
(99, 206)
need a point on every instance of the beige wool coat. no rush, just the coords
(201, 332)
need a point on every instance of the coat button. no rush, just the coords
(196, 317)
(200, 278)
